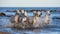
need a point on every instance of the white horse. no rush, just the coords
(36, 18)
(47, 17)
(44, 20)
(16, 17)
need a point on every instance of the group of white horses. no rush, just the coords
(30, 21)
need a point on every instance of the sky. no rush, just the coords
(29, 3)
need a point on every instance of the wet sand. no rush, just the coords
(5, 33)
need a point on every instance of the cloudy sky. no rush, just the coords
(29, 3)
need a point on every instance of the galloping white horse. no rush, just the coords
(36, 18)
(24, 12)
(47, 17)
(15, 19)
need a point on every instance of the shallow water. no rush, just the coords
(47, 30)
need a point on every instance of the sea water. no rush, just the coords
(47, 30)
